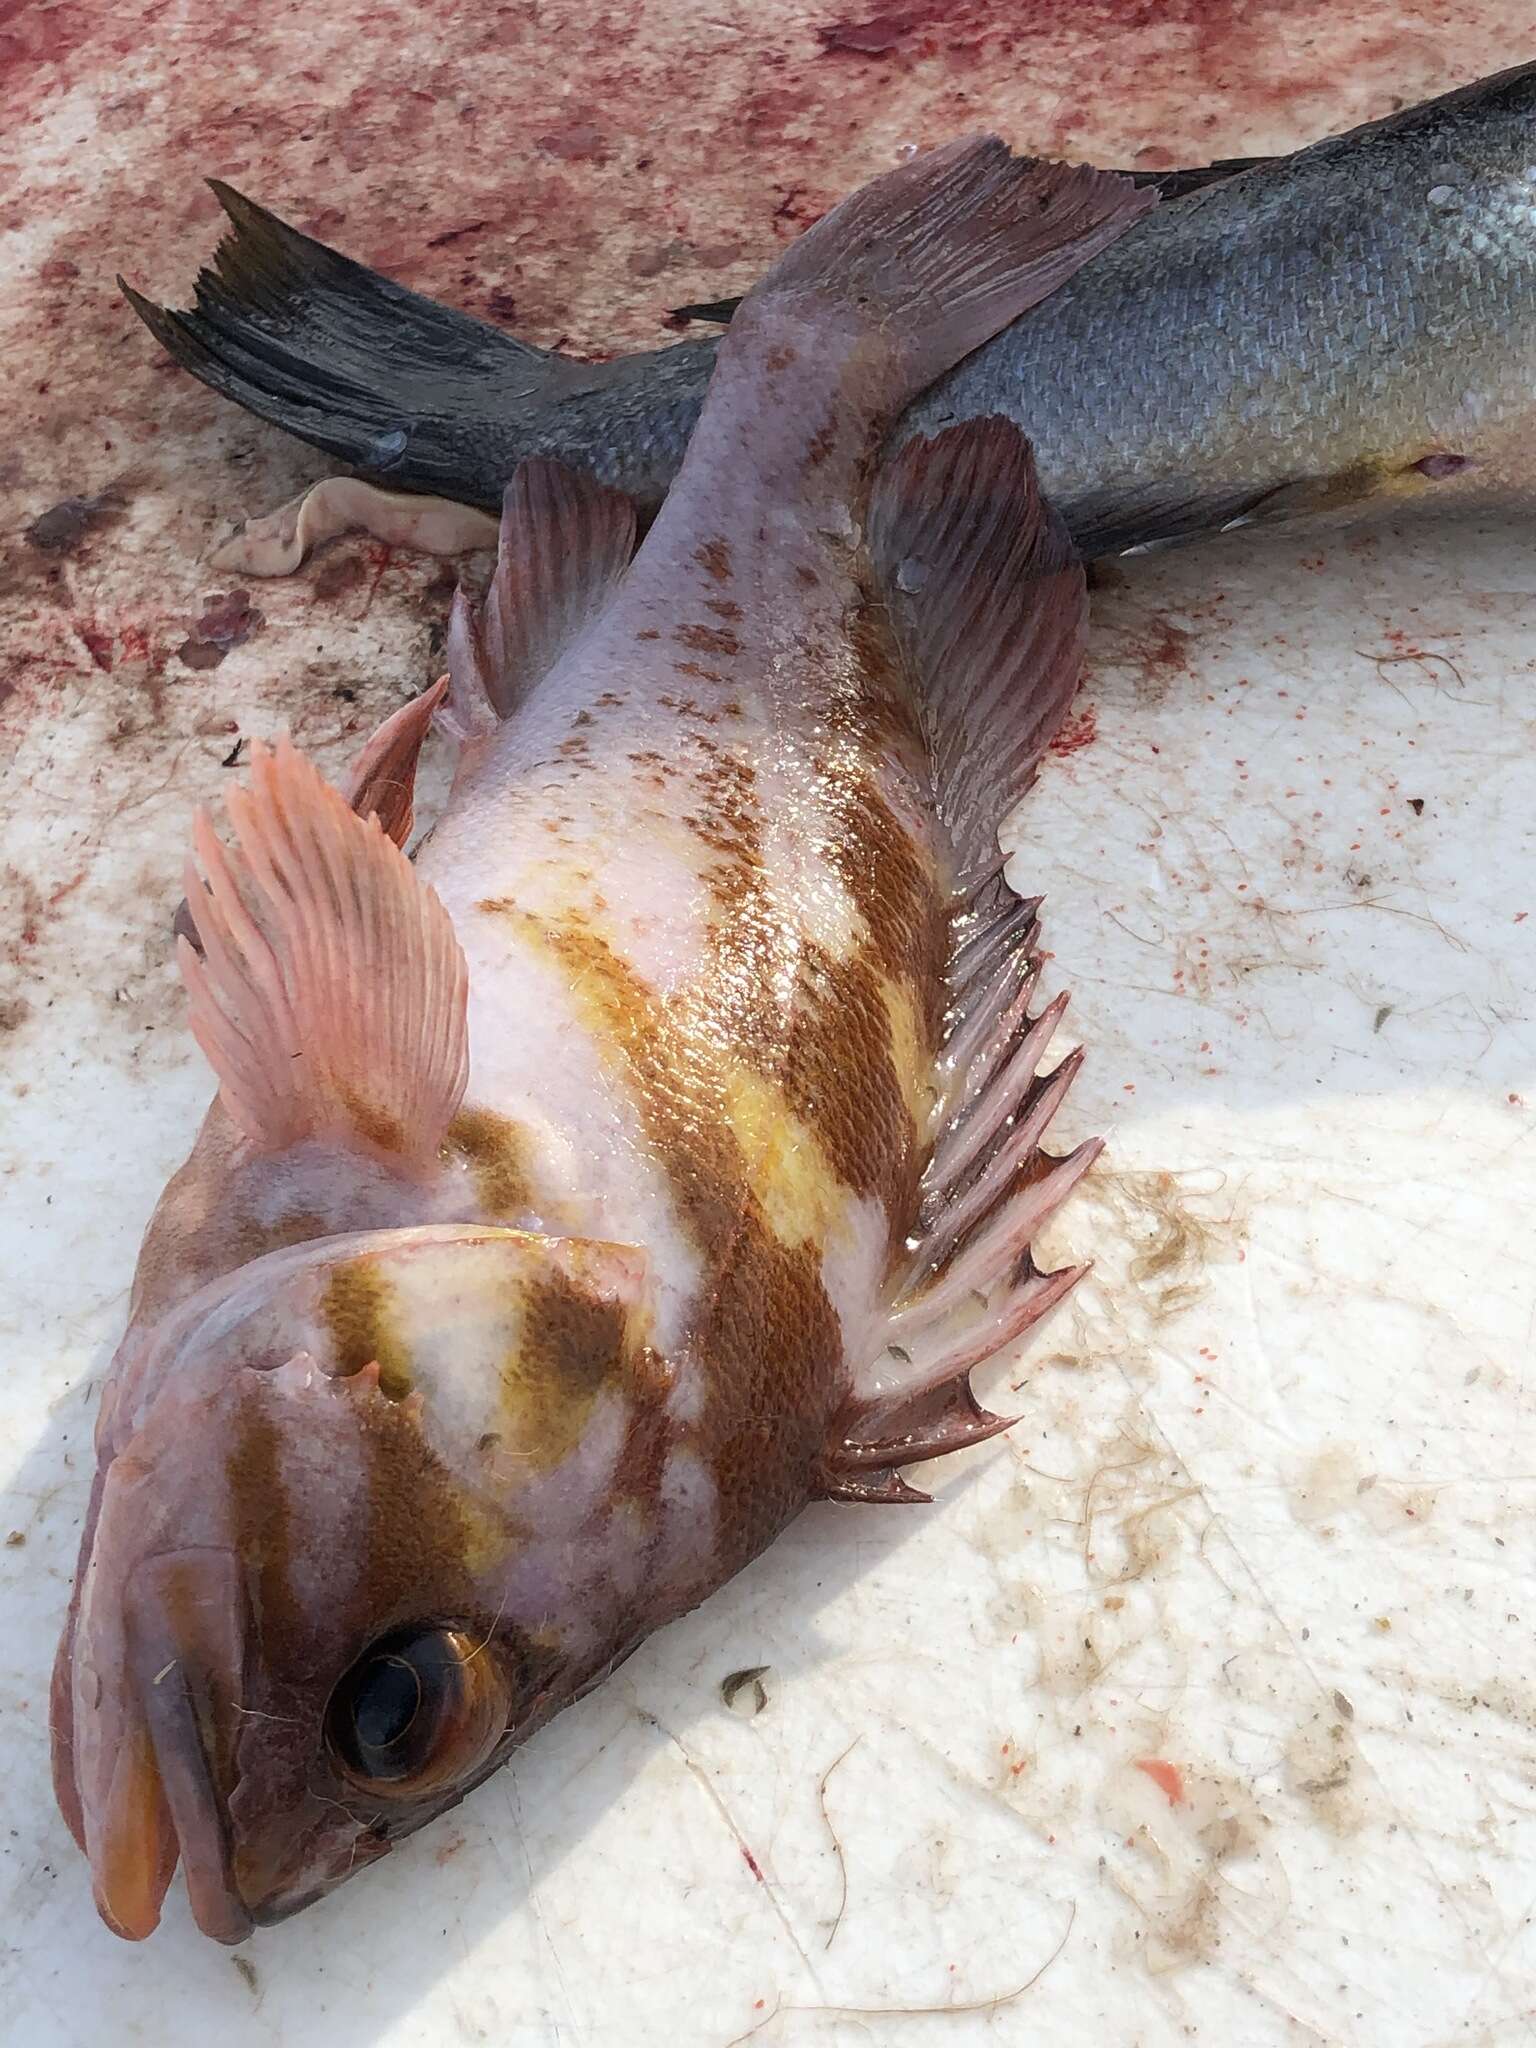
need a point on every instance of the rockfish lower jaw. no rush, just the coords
(152, 1774)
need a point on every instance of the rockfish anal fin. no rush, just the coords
(564, 544)
(331, 992)
(989, 604)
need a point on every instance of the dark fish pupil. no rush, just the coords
(388, 1700)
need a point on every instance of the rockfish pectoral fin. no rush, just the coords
(565, 542)
(988, 601)
(382, 783)
(331, 992)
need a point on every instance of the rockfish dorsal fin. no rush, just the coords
(565, 542)
(331, 992)
(989, 603)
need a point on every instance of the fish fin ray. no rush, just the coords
(929, 1424)
(382, 781)
(883, 1489)
(988, 602)
(345, 359)
(565, 542)
(330, 994)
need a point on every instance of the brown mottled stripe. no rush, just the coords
(895, 886)
(412, 1544)
(356, 1311)
(258, 1496)
(708, 639)
(714, 558)
(765, 1335)
(568, 1346)
(839, 1075)
(496, 1150)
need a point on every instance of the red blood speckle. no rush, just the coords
(1167, 1777)
(752, 1864)
(1077, 732)
(227, 622)
(99, 645)
(866, 38)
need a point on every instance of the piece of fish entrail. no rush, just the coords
(654, 1156)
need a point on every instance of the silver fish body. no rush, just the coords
(1314, 334)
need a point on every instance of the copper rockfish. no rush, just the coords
(657, 1153)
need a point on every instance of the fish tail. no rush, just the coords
(939, 255)
(350, 361)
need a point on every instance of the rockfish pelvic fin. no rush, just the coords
(331, 992)
(382, 783)
(565, 542)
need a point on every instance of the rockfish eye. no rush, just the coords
(420, 1708)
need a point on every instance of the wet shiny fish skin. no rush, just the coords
(655, 1154)
(1351, 325)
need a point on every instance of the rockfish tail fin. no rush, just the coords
(988, 602)
(940, 254)
(330, 995)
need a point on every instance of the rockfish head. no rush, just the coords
(365, 1516)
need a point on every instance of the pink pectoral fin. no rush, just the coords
(382, 783)
(331, 993)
